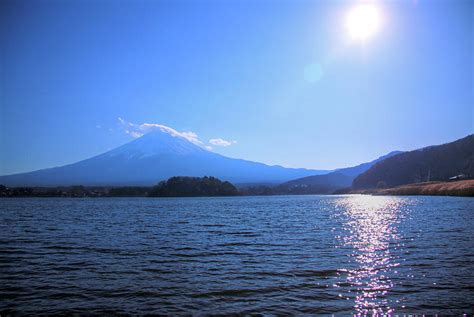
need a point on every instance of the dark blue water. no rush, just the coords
(270, 255)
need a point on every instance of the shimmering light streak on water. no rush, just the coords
(284, 255)
(370, 228)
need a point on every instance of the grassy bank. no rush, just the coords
(457, 188)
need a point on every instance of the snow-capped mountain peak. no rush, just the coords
(160, 141)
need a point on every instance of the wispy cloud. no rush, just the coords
(221, 142)
(137, 130)
(134, 134)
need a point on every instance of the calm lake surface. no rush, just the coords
(270, 255)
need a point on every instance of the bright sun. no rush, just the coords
(363, 21)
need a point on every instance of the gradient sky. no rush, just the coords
(280, 78)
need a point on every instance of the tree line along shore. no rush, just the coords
(210, 186)
(179, 186)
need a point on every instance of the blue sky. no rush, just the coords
(279, 80)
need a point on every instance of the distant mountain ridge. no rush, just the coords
(151, 158)
(316, 184)
(359, 169)
(432, 163)
(328, 183)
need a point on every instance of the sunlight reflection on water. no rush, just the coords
(370, 229)
(275, 255)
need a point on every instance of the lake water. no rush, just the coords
(271, 255)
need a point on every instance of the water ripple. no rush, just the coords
(287, 255)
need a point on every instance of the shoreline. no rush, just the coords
(464, 188)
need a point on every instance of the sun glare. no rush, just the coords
(363, 21)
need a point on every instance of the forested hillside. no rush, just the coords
(433, 163)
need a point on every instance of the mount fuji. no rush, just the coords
(151, 158)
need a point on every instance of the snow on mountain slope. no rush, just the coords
(151, 158)
(157, 142)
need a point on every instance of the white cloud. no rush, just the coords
(191, 136)
(125, 123)
(221, 142)
(138, 130)
(134, 134)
